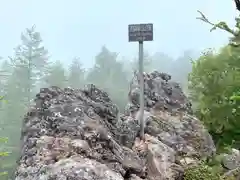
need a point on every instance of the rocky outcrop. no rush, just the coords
(231, 163)
(174, 138)
(76, 134)
(79, 134)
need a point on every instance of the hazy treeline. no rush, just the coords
(31, 68)
(210, 80)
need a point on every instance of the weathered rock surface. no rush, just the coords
(231, 163)
(77, 134)
(174, 139)
(232, 160)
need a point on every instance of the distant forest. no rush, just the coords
(210, 80)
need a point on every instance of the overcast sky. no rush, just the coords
(80, 27)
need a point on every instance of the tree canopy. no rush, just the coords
(214, 86)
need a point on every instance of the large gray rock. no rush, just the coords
(232, 160)
(159, 92)
(175, 139)
(79, 134)
(231, 163)
(76, 134)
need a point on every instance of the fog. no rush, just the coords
(77, 42)
(79, 28)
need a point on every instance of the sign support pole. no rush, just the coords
(141, 119)
(139, 33)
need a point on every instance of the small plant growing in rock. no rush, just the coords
(208, 171)
(3, 154)
(201, 172)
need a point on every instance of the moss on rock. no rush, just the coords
(201, 172)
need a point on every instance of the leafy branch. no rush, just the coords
(223, 26)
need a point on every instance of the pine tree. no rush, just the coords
(29, 61)
(25, 69)
(56, 75)
(76, 74)
(104, 67)
(108, 74)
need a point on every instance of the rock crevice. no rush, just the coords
(79, 134)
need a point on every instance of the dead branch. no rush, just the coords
(221, 25)
(234, 41)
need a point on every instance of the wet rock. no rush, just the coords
(134, 177)
(174, 138)
(78, 168)
(160, 158)
(77, 134)
(160, 93)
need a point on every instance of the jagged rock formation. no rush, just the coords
(78, 134)
(160, 93)
(74, 134)
(178, 139)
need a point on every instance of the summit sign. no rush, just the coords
(140, 32)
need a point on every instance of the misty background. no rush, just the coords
(80, 28)
(72, 43)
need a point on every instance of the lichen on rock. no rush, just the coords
(79, 134)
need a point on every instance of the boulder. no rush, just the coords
(232, 160)
(175, 139)
(231, 164)
(76, 134)
(80, 134)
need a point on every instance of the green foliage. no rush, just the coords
(201, 172)
(204, 171)
(20, 77)
(209, 170)
(218, 87)
(235, 98)
(30, 68)
(215, 77)
(235, 32)
(3, 154)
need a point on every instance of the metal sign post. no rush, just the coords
(139, 33)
